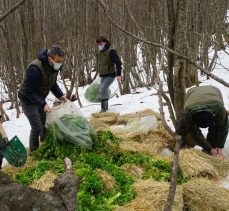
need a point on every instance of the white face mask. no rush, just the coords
(101, 46)
(56, 66)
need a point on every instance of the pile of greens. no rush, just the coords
(105, 155)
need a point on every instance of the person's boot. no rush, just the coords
(104, 106)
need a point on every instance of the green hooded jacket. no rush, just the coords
(206, 98)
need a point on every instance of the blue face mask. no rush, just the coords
(56, 66)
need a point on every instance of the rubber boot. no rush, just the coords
(104, 105)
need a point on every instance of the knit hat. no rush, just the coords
(203, 119)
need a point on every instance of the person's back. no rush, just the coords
(204, 108)
(201, 95)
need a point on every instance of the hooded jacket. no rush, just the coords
(40, 78)
(206, 98)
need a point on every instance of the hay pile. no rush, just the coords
(102, 121)
(205, 195)
(195, 163)
(133, 170)
(151, 142)
(152, 196)
(45, 182)
(128, 117)
(12, 171)
(108, 180)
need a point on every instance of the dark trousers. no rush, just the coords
(104, 86)
(37, 118)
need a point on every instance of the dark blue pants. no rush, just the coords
(104, 87)
(37, 118)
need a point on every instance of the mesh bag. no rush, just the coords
(92, 92)
(67, 123)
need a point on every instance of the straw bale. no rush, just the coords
(108, 180)
(151, 149)
(102, 121)
(127, 117)
(152, 196)
(45, 182)
(106, 117)
(12, 171)
(133, 170)
(195, 163)
(99, 125)
(152, 143)
(205, 195)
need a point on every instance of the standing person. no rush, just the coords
(40, 78)
(107, 59)
(204, 107)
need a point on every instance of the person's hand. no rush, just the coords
(214, 152)
(63, 98)
(47, 109)
(119, 78)
(220, 153)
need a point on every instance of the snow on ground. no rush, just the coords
(141, 100)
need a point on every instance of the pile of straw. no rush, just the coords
(151, 143)
(11, 171)
(195, 163)
(102, 121)
(45, 182)
(108, 180)
(205, 195)
(135, 171)
(128, 117)
(152, 196)
(142, 148)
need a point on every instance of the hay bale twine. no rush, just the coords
(108, 180)
(133, 170)
(45, 182)
(205, 195)
(152, 196)
(195, 163)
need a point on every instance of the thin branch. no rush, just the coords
(160, 91)
(173, 183)
(12, 9)
(103, 5)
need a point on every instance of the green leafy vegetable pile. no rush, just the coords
(105, 155)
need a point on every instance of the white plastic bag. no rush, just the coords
(68, 123)
(137, 125)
